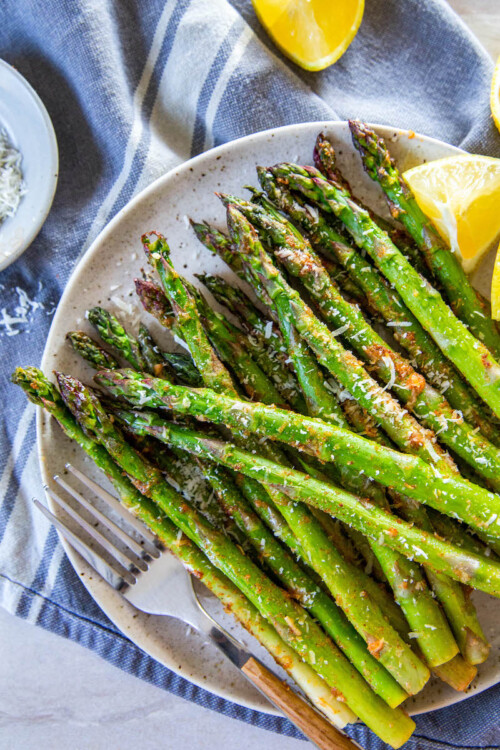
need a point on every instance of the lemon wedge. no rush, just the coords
(495, 95)
(461, 195)
(495, 289)
(312, 33)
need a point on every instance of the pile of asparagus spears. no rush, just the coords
(336, 489)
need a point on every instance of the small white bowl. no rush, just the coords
(29, 129)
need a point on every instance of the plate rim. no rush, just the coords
(53, 173)
(108, 229)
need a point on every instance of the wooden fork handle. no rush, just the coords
(311, 723)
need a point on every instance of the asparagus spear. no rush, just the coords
(424, 401)
(183, 368)
(221, 245)
(363, 613)
(155, 362)
(112, 333)
(43, 393)
(440, 258)
(469, 355)
(325, 161)
(407, 474)
(90, 350)
(386, 301)
(291, 621)
(228, 340)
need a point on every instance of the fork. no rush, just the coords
(137, 565)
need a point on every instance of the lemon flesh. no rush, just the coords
(495, 95)
(461, 195)
(312, 33)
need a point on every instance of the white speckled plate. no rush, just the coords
(29, 128)
(107, 271)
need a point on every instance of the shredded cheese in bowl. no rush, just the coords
(11, 178)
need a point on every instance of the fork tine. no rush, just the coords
(107, 522)
(116, 570)
(150, 542)
(124, 558)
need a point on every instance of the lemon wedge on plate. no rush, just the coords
(495, 95)
(312, 33)
(461, 195)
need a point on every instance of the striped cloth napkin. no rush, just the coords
(133, 89)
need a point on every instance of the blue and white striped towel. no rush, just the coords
(133, 89)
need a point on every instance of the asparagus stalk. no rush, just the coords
(112, 333)
(469, 355)
(407, 474)
(44, 394)
(325, 162)
(440, 258)
(230, 342)
(385, 301)
(90, 351)
(189, 320)
(183, 368)
(218, 243)
(291, 621)
(151, 354)
(363, 613)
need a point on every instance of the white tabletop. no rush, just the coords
(56, 694)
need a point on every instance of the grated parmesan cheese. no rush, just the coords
(12, 187)
(341, 330)
(390, 364)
